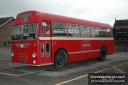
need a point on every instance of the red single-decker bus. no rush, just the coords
(44, 39)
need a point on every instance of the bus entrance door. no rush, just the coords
(45, 42)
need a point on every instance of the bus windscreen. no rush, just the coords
(16, 33)
(26, 31)
(29, 31)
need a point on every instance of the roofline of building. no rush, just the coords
(7, 22)
(121, 20)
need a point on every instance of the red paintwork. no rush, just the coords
(69, 45)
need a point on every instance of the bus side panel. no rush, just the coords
(74, 50)
(110, 48)
(86, 49)
(95, 48)
(56, 44)
(109, 45)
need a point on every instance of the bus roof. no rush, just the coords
(39, 16)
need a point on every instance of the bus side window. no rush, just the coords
(85, 31)
(59, 29)
(42, 30)
(47, 49)
(47, 29)
(109, 33)
(73, 30)
(102, 32)
(94, 31)
(42, 50)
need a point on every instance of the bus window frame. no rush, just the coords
(17, 25)
(44, 29)
(36, 33)
(81, 31)
(99, 31)
(91, 27)
(49, 49)
(112, 33)
(52, 29)
(78, 28)
(20, 34)
(43, 49)
(32, 23)
(42, 35)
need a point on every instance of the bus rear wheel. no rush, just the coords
(102, 56)
(60, 59)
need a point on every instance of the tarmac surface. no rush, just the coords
(73, 74)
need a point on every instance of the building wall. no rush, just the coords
(5, 33)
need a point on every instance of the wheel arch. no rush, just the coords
(61, 48)
(104, 46)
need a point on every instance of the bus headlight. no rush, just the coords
(12, 54)
(34, 61)
(34, 55)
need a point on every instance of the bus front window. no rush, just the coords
(16, 33)
(29, 31)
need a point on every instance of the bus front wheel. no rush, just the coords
(102, 56)
(60, 59)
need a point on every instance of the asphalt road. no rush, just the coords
(73, 74)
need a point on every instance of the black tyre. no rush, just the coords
(102, 56)
(60, 59)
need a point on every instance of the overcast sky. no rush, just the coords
(95, 10)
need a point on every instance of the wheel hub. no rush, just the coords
(60, 60)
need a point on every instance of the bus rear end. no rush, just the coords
(24, 39)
